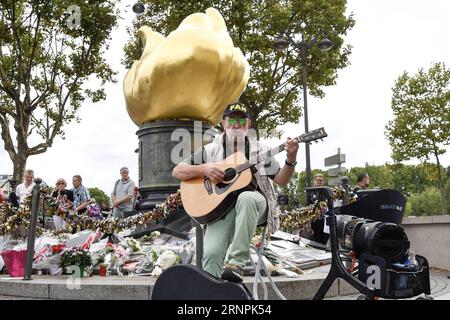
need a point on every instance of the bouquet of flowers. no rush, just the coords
(150, 237)
(132, 244)
(75, 257)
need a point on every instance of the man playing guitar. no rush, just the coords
(227, 240)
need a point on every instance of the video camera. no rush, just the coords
(383, 239)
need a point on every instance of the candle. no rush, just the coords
(102, 270)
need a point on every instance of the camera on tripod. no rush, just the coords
(370, 231)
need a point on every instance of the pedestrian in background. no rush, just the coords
(24, 189)
(122, 195)
(81, 197)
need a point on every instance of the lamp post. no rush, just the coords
(139, 8)
(280, 44)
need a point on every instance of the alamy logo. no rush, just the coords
(74, 19)
(374, 280)
(74, 281)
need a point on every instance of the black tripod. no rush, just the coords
(337, 269)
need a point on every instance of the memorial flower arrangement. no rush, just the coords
(77, 222)
(75, 257)
(132, 244)
(300, 218)
(16, 222)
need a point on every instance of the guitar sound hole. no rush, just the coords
(230, 173)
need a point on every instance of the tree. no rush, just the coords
(425, 203)
(380, 176)
(99, 195)
(409, 179)
(47, 53)
(272, 95)
(421, 125)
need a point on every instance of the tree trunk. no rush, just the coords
(441, 185)
(19, 163)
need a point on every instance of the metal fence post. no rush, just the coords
(32, 227)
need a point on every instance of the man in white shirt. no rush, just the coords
(24, 189)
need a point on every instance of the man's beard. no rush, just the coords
(236, 138)
(237, 135)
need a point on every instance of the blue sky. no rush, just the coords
(389, 37)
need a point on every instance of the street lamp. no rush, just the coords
(138, 8)
(325, 44)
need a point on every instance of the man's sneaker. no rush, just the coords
(232, 273)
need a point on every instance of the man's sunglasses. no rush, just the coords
(233, 121)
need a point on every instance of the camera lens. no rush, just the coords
(384, 239)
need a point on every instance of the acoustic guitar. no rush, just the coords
(207, 201)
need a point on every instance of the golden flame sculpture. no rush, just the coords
(194, 73)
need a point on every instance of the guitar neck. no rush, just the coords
(306, 137)
(267, 155)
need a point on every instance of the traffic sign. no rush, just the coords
(333, 172)
(334, 181)
(335, 160)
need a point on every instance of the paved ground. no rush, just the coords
(439, 285)
(440, 288)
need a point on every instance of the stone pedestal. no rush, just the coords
(155, 162)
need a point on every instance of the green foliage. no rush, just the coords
(421, 107)
(154, 255)
(408, 208)
(412, 181)
(409, 178)
(99, 196)
(421, 125)
(380, 176)
(447, 194)
(426, 202)
(406, 178)
(44, 62)
(272, 94)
